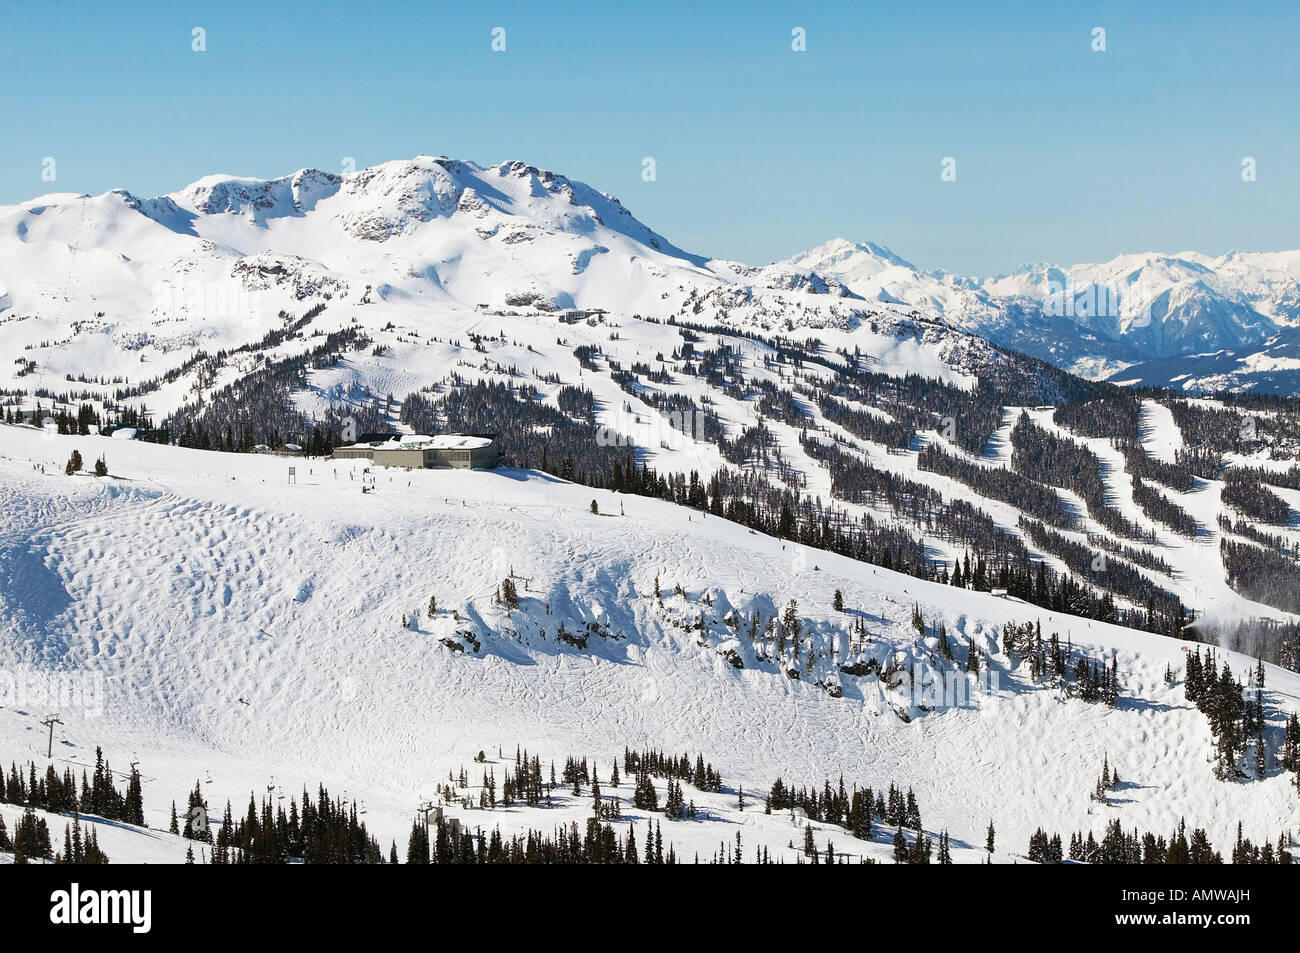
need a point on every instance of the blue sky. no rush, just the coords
(1062, 153)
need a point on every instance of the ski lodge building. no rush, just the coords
(419, 452)
(578, 315)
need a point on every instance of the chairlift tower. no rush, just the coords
(51, 722)
(425, 808)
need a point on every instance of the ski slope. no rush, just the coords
(248, 629)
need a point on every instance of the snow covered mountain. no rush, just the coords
(1099, 319)
(756, 439)
(132, 288)
(124, 289)
(1271, 368)
(876, 273)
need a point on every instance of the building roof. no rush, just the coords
(446, 441)
(456, 441)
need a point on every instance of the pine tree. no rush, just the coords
(945, 854)
(417, 846)
(134, 804)
(945, 650)
(76, 849)
(900, 847)
(1291, 745)
(196, 814)
(790, 620)
(508, 593)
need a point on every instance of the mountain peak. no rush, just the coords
(848, 255)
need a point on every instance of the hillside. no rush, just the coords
(249, 633)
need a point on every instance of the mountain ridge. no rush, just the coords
(453, 233)
(1131, 317)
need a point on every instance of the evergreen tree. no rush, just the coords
(508, 593)
(900, 847)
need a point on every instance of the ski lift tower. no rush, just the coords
(426, 808)
(51, 722)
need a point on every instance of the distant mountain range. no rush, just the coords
(1185, 321)
(97, 286)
